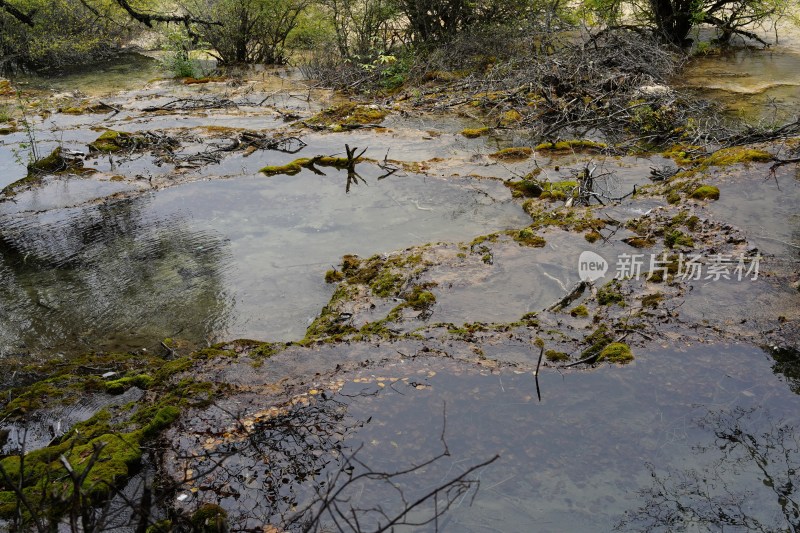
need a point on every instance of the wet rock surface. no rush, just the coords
(420, 301)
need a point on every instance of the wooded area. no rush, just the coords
(36, 34)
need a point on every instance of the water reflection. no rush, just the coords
(243, 257)
(107, 277)
(754, 84)
(787, 362)
(751, 485)
(581, 460)
(301, 467)
(119, 73)
(263, 471)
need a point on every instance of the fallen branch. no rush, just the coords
(571, 296)
(149, 18)
(25, 18)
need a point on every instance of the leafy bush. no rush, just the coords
(252, 31)
(60, 33)
(177, 59)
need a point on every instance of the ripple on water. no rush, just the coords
(243, 257)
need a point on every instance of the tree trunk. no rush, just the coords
(673, 19)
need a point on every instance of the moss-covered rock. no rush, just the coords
(299, 164)
(610, 293)
(115, 141)
(639, 242)
(108, 141)
(115, 440)
(118, 386)
(673, 197)
(705, 192)
(515, 153)
(510, 118)
(420, 299)
(677, 238)
(556, 356)
(345, 116)
(579, 311)
(525, 188)
(577, 145)
(85, 108)
(333, 276)
(616, 352)
(559, 190)
(528, 237)
(474, 133)
(210, 518)
(737, 155)
(55, 162)
(684, 154)
(52, 164)
(592, 236)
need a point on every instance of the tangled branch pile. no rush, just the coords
(612, 85)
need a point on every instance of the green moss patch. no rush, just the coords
(639, 242)
(290, 169)
(85, 108)
(516, 153)
(559, 190)
(592, 236)
(54, 163)
(556, 356)
(110, 443)
(378, 276)
(333, 276)
(705, 192)
(597, 340)
(676, 238)
(345, 116)
(616, 352)
(210, 518)
(386, 284)
(474, 133)
(510, 118)
(685, 154)
(419, 298)
(737, 155)
(525, 188)
(580, 310)
(652, 300)
(115, 141)
(118, 386)
(528, 237)
(579, 220)
(297, 165)
(571, 146)
(610, 293)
